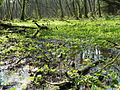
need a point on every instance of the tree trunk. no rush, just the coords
(85, 9)
(38, 9)
(90, 7)
(75, 9)
(79, 9)
(61, 9)
(99, 9)
(69, 13)
(47, 8)
(12, 10)
(23, 10)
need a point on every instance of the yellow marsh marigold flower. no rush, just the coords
(118, 88)
(87, 59)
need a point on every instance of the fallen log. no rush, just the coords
(9, 25)
(17, 31)
(89, 67)
(5, 26)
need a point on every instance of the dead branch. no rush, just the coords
(113, 61)
(115, 44)
(40, 28)
(66, 84)
(17, 31)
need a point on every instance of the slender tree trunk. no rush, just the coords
(61, 9)
(75, 9)
(38, 9)
(12, 10)
(69, 13)
(47, 8)
(8, 13)
(90, 7)
(23, 10)
(99, 9)
(85, 9)
(79, 9)
(93, 6)
(54, 11)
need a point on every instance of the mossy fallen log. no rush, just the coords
(9, 25)
(17, 31)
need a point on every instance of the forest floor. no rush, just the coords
(71, 54)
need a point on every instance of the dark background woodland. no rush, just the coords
(37, 9)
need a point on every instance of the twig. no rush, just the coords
(113, 61)
(115, 44)
(116, 68)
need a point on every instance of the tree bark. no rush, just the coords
(99, 9)
(38, 9)
(23, 10)
(85, 9)
(61, 9)
(79, 9)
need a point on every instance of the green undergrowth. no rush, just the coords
(54, 51)
(96, 31)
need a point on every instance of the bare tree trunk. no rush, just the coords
(54, 10)
(90, 6)
(85, 9)
(7, 6)
(12, 10)
(93, 6)
(79, 9)
(48, 8)
(99, 9)
(38, 9)
(23, 10)
(61, 9)
(69, 9)
(75, 9)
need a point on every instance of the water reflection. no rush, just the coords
(19, 78)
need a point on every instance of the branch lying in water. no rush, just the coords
(113, 61)
(64, 85)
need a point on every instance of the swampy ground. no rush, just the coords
(70, 55)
